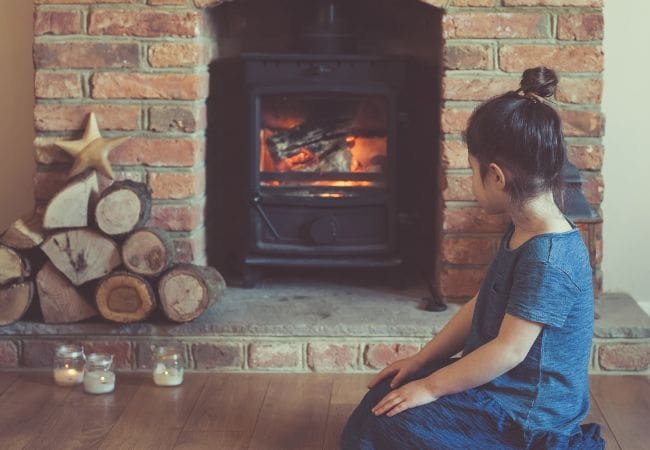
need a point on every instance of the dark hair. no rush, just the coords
(522, 133)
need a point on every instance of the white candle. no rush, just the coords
(68, 377)
(99, 382)
(164, 376)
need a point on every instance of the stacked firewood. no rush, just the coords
(89, 254)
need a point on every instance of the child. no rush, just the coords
(526, 336)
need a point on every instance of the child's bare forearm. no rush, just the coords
(451, 339)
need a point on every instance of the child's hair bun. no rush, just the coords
(540, 81)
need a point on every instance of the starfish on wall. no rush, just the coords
(92, 150)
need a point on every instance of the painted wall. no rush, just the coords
(627, 156)
(16, 104)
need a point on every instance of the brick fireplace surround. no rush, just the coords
(141, 66)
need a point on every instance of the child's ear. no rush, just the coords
(497, 175)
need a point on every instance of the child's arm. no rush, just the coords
(507, 350)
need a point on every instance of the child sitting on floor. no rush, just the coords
(522, 381)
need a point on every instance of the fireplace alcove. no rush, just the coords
(322, 139)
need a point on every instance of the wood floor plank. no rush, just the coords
(294, 413)
(155, 415)
(596, 415)
(336, 420)
(26, 405)
(6, 380)
(625, 404)
(83, 420)
(225, 415)
(350, 388)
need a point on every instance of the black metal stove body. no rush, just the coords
(304, 150)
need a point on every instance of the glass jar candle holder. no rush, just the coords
(167, 365)
(99, 377)
(69, 362)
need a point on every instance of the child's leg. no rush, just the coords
(351, 436)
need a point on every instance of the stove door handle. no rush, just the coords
(256, 201)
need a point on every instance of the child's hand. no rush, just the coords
(401, 369)
(408, 396)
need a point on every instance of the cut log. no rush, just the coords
(125, 297)
(12, 266)
(148, 252)
(24, 233)
(82, 255)
(69, 207)
(14, 301)
(187, 290)
(123, 207)
(60, 300)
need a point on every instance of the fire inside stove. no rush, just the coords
(319, 143)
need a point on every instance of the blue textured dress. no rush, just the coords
(540, 403)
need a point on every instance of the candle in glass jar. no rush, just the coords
(167, 376)
(99, 382)
(68, 376)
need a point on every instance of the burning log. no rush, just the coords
(123, 207)
(124, 297)
(187, 290)
(15, 301)
(82, 255)
(148, 252)
(60, 301)
(69, 207)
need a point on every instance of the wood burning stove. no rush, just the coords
(303, 149)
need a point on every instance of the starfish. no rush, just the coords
(92, 150)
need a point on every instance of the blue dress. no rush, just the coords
(540, 403)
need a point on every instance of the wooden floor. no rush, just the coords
(240, 411)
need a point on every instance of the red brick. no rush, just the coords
(457, 187)
(8, 355)
(57, 85)
(586, 157)
(495, 25)
(454, 120)
(148, 86)
(121, 351)
(73, 117)
(474, 2)
(176, 55)
(158, 152)
(454, 88)
(145, 350)
(453, 154)
(206, 3)
(623, 356)
(580, 27)
(582, 123)
(177, 118)
(590, 3)
(46, 184)
(166, 2)
(176, 185)
(324, 357)
(463, 250)
(176, 217)
(190, 249)
(579, 90)
(379, 356)
(473, 219)
(218, 356)
(467, 56)
(562, 58)
(275, 356)
(48, 153)
(144, 23)
(593, 188)
(57, 22)
(38, 354)
(85, 55)
(460, 283)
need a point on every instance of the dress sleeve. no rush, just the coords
(541, 292)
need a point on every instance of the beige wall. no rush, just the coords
(626, 105)
(16, 104)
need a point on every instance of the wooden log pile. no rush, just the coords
(89, 254)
